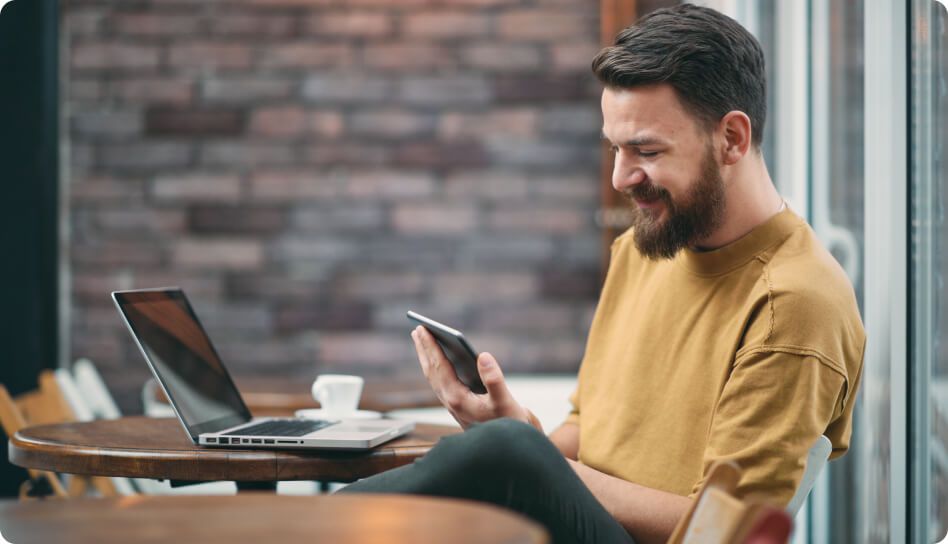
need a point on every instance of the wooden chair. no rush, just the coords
(43, 406)
(718, 517)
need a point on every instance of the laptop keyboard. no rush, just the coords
(283, 427)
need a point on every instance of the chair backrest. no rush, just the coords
(94, 391)
(71, 394)
(815, 462)
(12, 421)
(718, 517)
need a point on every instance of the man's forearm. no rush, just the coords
(649, 515)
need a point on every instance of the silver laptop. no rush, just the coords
(204, 396)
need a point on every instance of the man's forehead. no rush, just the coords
(647, 114)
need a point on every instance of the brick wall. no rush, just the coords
(308, 170)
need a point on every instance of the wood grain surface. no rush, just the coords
(256, 518)
(140, 447)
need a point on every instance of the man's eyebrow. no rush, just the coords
(637, 141)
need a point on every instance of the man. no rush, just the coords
(724, 329)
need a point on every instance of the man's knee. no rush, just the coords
(501, 445)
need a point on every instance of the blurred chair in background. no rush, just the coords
(49, 404)
(718, 517)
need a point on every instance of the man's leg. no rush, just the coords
(510, 464)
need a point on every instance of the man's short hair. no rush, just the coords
(712, 62)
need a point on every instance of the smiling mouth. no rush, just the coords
(647, 203)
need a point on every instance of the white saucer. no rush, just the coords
(319, 413)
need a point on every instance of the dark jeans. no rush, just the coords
(510, 464)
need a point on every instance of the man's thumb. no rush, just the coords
(492, 377)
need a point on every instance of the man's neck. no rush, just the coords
(751, 199)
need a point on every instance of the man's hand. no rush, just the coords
(466, 406)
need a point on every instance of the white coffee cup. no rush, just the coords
(338, 394)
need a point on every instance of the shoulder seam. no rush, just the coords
(794, 350)
(770, 295)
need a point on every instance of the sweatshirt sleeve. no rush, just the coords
(774, 406)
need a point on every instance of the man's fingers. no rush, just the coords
(493, 379)
(420, 350)
(441, 374)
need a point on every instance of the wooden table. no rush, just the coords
(254, 518)
(140, 447)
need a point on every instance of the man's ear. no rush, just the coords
(735, 126)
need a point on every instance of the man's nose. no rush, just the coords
(625, 180)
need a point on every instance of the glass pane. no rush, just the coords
(929, 260)
(837, 209)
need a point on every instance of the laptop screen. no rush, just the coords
(183, 359)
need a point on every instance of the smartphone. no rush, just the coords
(457, 349)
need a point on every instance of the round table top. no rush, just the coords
(257, 517)
(158, 448)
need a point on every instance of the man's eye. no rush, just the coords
(648, 154)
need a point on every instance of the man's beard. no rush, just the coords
(687, 222)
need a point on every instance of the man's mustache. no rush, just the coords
(646, 191)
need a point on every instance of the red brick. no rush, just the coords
(434, 219)
(454, 154)
(106, 123)
(546, 24)
(532, 89)
(135, 224)
(147, 155)
(228, 254)
(253, 25)
(114, 56)
(245, 89)
(113, 254)
(349, 24)
(407, 56)
(153, 90)
(152, 24)
(83, 22)
(434, 91)
(389, 184)
(193, 122)
(550, 318)
(289, 3)
(323, 315)
(570, 283)
(279, 121)
(293, 185)
(357, 154)
(328, 124)
(216, 219)
(508, 121)
(574, 57)
(245, 153)
(577, 188)
(375, 284)
(197, 188)
(83, 91)
(484, 287)
(271, 286)
(306, 55)
(209, 55)
(367, 348)
(487, 185)
(505, 57)
(395, 124)
(105, 190)
(346, 88)
(552, 220)
(448, 24)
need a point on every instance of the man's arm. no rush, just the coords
(649, 515)
(566, 439)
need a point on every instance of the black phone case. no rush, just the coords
(459, 352)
